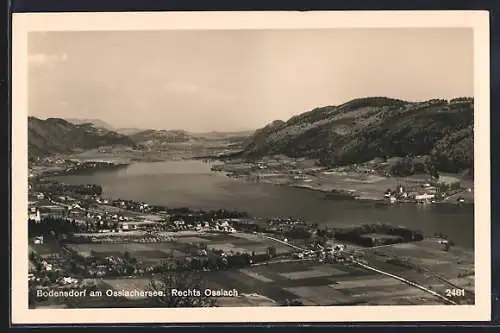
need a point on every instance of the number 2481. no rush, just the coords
(455, 292)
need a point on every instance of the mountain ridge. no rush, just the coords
(56, 135)
(98, 123)
(372, 127)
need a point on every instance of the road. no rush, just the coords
(371, 268)
(283, 242)
(462, 193)
(411, 283)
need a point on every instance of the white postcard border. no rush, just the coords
(23, 23)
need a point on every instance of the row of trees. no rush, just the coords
(187, 214)
(356, 234)
(59, 226)
(52, 226)
(409, 166)
(58, 188)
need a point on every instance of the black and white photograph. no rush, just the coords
(260, 166)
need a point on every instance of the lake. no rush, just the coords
(192, 184)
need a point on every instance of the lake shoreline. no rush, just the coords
(341, 194)
(336, 193)
(177, 184)
(352, 189)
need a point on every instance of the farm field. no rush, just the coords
(150, 251)
(309, 282)
(183, 246)
(244, 242)
(318, 284)
(455, 265)
(46, 249)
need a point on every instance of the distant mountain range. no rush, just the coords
(55, 135)
(154, 138)
(367, 128)
(98, 123)
(161, 136)
(141, 134)
(129, 131)
(439, 132)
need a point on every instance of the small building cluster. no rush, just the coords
(425, 194)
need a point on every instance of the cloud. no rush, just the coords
(41, 59)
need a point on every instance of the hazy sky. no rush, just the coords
(236, 80)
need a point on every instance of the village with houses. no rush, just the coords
(79, 239)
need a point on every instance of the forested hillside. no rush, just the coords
(438, 131)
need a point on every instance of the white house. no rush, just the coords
(38, 240)
(339, 247)
(128, 226)
(179, 223)
(47, 266)
(34, 214)
(424, 197)
(69, 280)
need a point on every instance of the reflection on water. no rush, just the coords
(192, 184)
